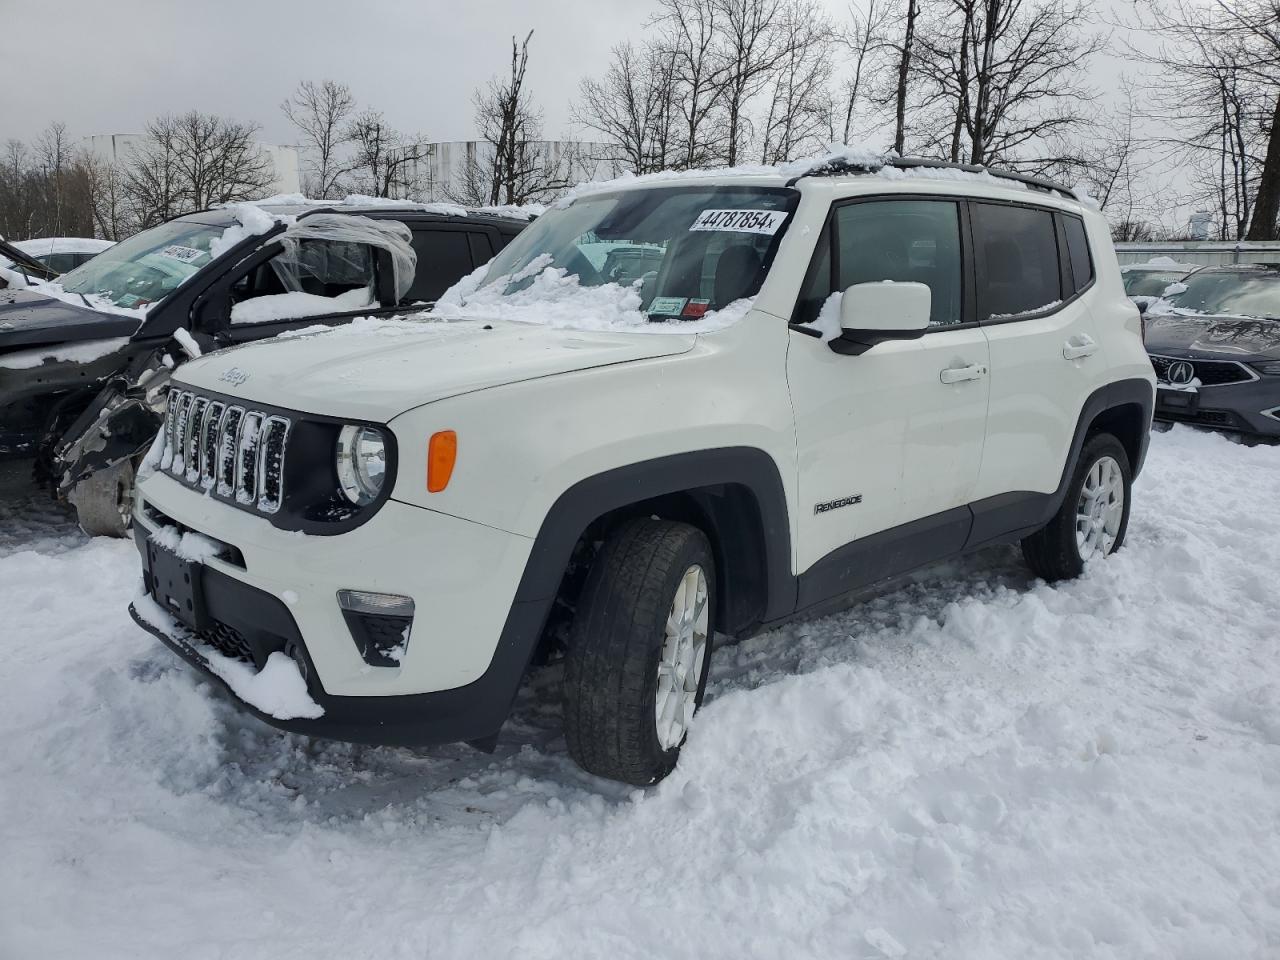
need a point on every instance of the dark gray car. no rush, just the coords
(1217, 355)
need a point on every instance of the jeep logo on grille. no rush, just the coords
(1180, 373)
(234, 376)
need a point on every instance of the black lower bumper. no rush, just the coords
(263, 624)
(1234, 408)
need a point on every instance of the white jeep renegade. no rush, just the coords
(673, 409)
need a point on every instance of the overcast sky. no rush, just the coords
(110, 65)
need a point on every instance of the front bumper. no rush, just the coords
(277, 591)
(1251, 408)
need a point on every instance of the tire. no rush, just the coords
(618, 642)
(1073, 537)
(104, 501)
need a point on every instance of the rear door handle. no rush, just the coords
(1078, 346)
(973, 371)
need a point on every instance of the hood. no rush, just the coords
(1222, 338)
(31, 319)
(376, 370)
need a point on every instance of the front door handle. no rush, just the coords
(1079, 346)
(973, 371)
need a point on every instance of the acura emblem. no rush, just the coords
(1180, 373)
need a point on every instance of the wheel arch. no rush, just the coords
(733, 494)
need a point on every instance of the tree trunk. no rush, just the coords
(904, 70)
(1266, 207)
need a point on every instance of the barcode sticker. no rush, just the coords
(740, 221)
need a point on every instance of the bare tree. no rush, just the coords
(1219, 101)
(633, 107)
(194, 161)
(53, 153)
(385, 161)
(1013, 81)
(800, 104)
(320, 112)
(905, 52)
(866, 38)
(688, 34)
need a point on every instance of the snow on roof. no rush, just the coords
(43, 246)
(359, 200)
(836, 157)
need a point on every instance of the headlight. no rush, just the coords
(1268, 368)
(362, 463)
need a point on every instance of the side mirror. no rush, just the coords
(872, 313)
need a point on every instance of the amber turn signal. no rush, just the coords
(442, 451)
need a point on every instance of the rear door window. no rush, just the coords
(444, 258)
(1019, 271)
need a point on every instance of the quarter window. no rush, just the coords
(1019, 256)
(1078, 249)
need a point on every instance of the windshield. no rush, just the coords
(1252, 294)
(1149, 283)
(686, 251)
(146, 267)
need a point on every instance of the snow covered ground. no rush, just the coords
(972, 765)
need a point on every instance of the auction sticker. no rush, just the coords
(667, 305)
(178, 252)
(740, 221)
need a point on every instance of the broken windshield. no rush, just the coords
(687, 250)
(146, 267)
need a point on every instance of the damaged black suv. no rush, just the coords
(85, 359)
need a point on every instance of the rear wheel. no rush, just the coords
(636, 666)
(104, 501)
(1094, 515)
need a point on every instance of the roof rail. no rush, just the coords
(838, 167)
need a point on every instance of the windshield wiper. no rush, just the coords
(85, 299)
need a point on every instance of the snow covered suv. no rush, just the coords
(674, 409)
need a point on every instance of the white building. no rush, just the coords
(119, 147)
(570, 161)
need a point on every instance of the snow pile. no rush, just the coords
(971, 765)
(251, 221)
(296, 304)
(556, 299)
(278, 689)
(189, 545)
(188, 343)
(85, 351)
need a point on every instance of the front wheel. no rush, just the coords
(636, 666)
(1094, 515)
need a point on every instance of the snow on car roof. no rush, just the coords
(839, 159)
(42, 246)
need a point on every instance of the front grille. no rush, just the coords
(1210, 373)
(231, 451)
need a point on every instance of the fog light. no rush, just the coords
(378, 604)
(380, 624)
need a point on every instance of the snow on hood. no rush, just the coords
(378, 368)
